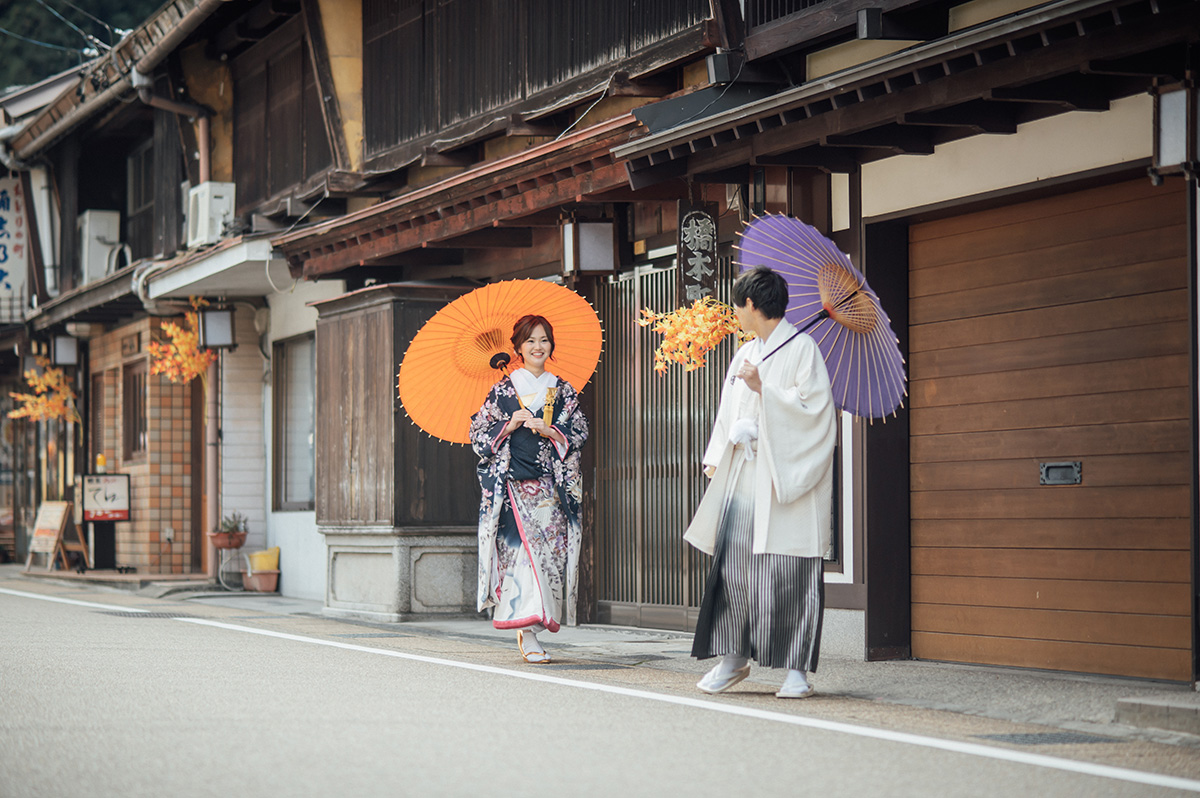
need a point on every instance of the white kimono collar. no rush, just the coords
(783, 332)
(531, 389)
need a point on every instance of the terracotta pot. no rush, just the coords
(261, 581)
(227, 540)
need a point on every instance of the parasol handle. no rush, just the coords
(500, 360)
(824, 314)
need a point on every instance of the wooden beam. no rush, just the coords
(389, 241)
(420, 257)
(827, 159)
(928, 23)
(549, 218)
(517, 126)
(331, 110)
(903, 140)
(622, 85)
(979, 116)
(460, 158)
(1169, 63)
(731, 29)
(1073, 92)
(1128, 39)
(668, 190)
(487, 238)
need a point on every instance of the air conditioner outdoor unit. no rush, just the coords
(210, 207)
(99, 233)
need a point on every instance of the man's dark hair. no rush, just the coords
(768, 290)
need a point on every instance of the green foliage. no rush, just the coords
(22, 62)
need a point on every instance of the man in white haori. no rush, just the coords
(767, 514)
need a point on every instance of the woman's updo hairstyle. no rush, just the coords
(524, 328)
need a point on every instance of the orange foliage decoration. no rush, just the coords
(52, 396)
(181, 359)
(690, 332)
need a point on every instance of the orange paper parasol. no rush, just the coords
(452, 361)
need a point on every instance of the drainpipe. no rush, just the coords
(143, 85)
(212, 448)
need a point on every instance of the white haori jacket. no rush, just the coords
(797, 431)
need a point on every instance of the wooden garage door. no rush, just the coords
(1048, 331)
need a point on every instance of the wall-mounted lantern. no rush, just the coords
(64, 350)
(1176, 132)
(589, 247)
(216, 328)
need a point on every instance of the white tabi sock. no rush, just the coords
(532, 644)
(731, 663)
(796, 680)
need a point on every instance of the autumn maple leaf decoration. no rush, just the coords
(690, 332)
(181, 358)
(52, 395)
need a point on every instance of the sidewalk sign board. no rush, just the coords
(49, 535)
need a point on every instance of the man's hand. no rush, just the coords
(748, 373)
(709, 471)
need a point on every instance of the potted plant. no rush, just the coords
(231, 533)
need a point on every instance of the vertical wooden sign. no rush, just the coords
(697, 250)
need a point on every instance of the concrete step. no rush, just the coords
(1174, 713)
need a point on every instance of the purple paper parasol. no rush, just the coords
(831, 301)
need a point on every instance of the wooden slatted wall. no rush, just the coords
(1053, 330)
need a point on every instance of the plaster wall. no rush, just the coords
(342, 24)
(243, 452)
(1061, 145)
(210, 84)
(302, 549)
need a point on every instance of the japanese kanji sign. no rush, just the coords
(697, 250)
(14, 249)
(105, 497)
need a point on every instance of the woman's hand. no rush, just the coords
(538, 425)
(521, 417)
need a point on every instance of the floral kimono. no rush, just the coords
(529, 530)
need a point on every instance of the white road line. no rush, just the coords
(710, 705)
(44, 597)
(971, 749)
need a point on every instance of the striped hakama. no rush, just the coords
(767, 607)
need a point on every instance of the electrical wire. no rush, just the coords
(111, 34)
(87, 37)
(40, 44)
(579, 118)
(716, 99)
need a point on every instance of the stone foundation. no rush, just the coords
(390, 575)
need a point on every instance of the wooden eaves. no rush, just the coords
(110, 76)
(478, 207)
(1061, 56)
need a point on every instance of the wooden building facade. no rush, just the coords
(1035, 502)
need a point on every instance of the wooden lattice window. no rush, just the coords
(134, 410)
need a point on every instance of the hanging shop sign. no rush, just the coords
(14, 250)
(697, 250)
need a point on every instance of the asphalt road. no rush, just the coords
(117, 695)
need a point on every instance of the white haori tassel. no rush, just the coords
(744, 430)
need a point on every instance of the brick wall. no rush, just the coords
(160, 477)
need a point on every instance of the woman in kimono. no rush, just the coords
(528, 435)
